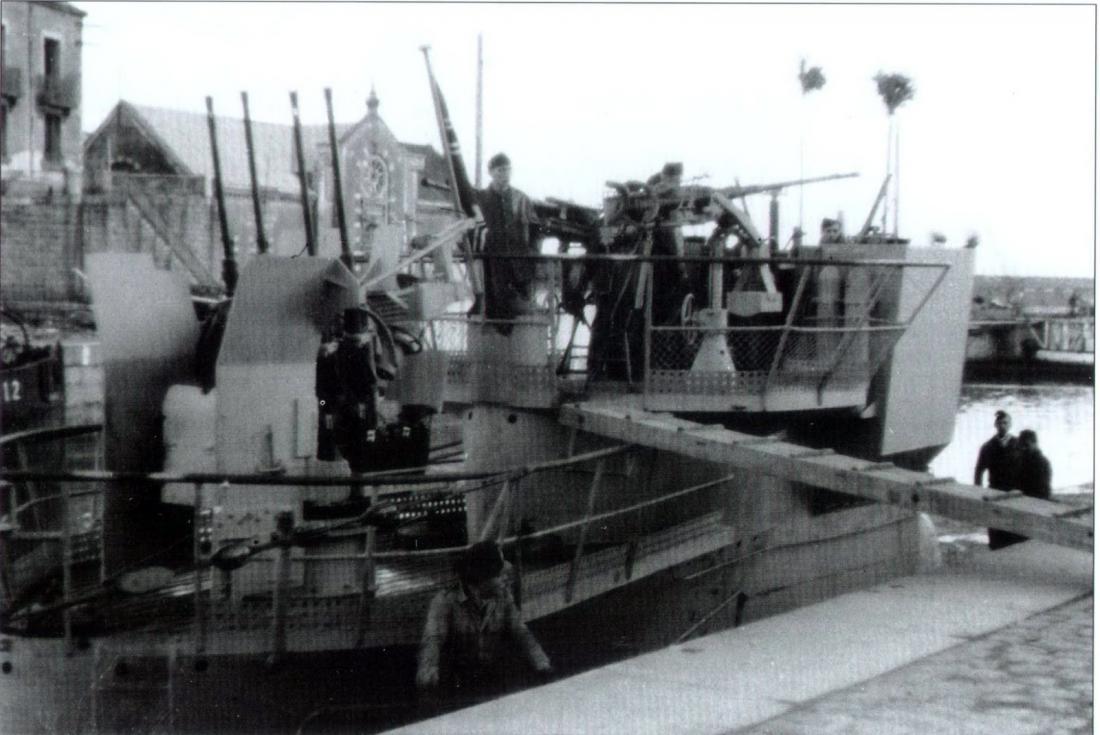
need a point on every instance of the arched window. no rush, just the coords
(374, 179)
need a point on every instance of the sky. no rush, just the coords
(998, 141)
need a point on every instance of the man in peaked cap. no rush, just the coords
(511, 229)
(468, 625)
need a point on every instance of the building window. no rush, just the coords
(51, 151)
(51, 48)
(377, 178)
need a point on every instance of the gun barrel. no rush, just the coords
(345, 246)
(740, 191)
(261, 236)
(303, 187)
(229, 262)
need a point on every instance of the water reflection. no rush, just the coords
(1062, 416)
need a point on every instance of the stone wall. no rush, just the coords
(41, 247)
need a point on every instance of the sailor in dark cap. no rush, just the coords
(468, 625)
(999, 457)
(511, 229)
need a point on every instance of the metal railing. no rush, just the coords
(42, 513)
(826, 324)
(1075, 334)
(504, 522)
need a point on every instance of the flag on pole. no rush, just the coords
(465, 198)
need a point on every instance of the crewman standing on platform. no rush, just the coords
(468, 626)
(511, 229)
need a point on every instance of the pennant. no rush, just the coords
(452, 152)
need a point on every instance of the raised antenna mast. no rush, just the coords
(480, 90)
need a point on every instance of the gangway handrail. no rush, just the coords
(876, 481)
(389, 477)
(49, 433)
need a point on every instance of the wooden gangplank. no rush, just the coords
(883, 482)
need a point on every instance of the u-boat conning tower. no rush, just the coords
(742, 333)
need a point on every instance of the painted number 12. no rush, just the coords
(13, 391)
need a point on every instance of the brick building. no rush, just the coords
(40, 125)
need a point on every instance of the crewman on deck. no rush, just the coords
(464, 646)
(511, 229)
(999, 457)
(831, 231)
(669, 279)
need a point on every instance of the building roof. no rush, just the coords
(185, 139)
(64, 7)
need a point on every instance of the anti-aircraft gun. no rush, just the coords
(644, 220)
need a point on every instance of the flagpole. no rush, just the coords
(472, 267)
(442, 128)
(886, 200)
(477, 150)
(801, 160)
(801, 142)
(897, 173)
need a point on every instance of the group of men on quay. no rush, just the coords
(1012, 463)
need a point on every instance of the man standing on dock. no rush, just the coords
(1033, 474)
(1000, 457)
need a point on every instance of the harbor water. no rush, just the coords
(1061, 416)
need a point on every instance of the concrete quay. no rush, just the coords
(998, 642)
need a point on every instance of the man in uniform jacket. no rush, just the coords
(473, 631)
(511, 229)
(999, 457)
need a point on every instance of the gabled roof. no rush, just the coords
(64, 7)
(185, 139)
